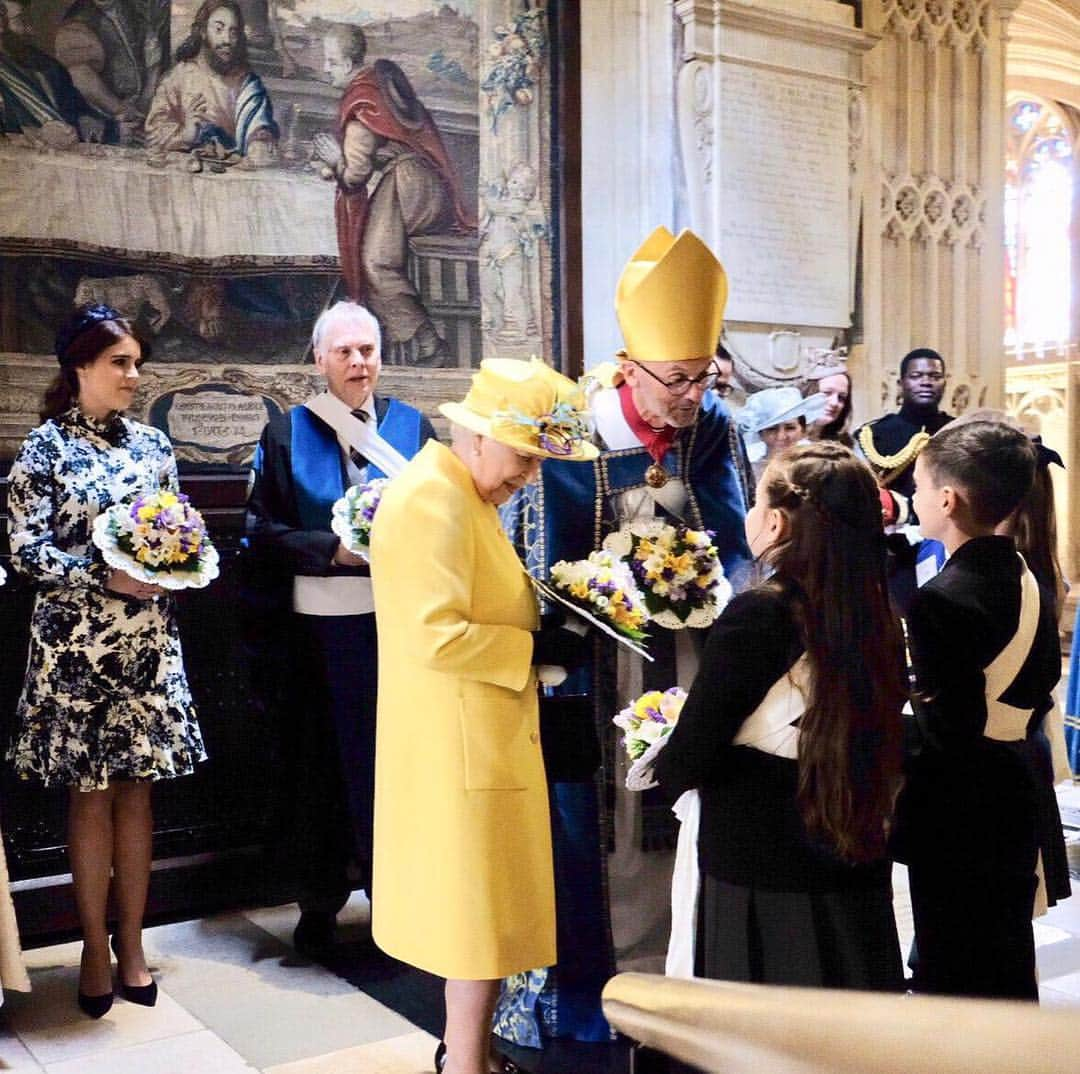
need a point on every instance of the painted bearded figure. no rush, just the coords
(211, 95)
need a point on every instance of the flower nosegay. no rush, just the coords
(677, 570)
(353, 514)
(158, 538)
(649, 719)
(603, 586)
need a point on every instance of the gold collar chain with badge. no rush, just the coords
(891, 466)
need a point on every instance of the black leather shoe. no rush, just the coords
(314, 932)
(95, 1006)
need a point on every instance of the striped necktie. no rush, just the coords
(358, 460)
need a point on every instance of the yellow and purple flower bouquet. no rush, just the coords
(677, 570)
(603, 586)
(158, 538)
(353, 514)
(646, 724)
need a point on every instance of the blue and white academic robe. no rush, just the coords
(328, 642)
(565, 516)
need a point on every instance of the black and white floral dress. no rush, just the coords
(105, 696)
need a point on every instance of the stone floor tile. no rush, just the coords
(201, 1052)
(257, 994)
(410, 1053)
(52, 1027)
(1051, 997)
(13, 1053)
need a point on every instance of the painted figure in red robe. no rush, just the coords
(384, 131)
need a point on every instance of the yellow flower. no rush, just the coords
(647, 701)
(680, 563)
(580, 590)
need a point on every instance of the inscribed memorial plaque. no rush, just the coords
(784, 197)
(212, 423)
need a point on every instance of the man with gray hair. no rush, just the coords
(306, 459)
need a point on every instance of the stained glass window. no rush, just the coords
(1038, 203)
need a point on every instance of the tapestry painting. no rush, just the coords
(223, 171)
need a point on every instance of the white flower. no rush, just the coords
(671, 705)
(650, 731)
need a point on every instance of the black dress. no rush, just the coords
(775, 907)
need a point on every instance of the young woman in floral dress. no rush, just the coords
(105, 708)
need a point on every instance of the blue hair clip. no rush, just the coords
(83, 318)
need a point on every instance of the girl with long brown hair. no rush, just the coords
(791, 733)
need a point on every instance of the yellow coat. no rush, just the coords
(463, 883)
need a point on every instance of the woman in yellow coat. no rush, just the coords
(463, 883)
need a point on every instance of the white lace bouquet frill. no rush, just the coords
(677, 570)
(647, 723)
(158, 538)
(353, 514)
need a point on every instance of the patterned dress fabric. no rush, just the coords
(105, 695)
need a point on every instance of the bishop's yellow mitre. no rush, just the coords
(670, 299)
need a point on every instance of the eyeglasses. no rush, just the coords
(680, 385)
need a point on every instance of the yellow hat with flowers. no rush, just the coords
(670, 299)
(527, 406)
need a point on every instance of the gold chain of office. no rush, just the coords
(893, 464)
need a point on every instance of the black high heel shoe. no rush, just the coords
(507, 1066)
(95, 1006)
(143, 995)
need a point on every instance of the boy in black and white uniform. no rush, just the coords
(986, 656)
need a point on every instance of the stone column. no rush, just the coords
(933, 241)
(629, 166)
